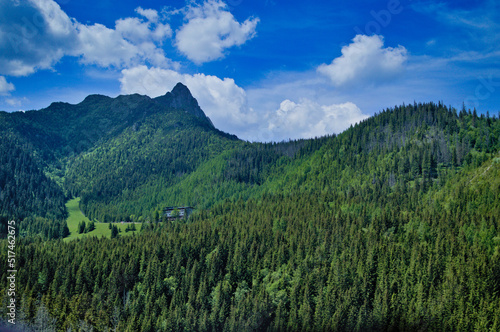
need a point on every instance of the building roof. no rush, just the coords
(169, 208)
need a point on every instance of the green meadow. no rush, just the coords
(101, 229)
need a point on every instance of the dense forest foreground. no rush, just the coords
(392, 225)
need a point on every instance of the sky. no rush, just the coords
(264, 70)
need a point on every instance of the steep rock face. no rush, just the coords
(181, 98)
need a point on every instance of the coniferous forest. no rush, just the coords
(392, 225)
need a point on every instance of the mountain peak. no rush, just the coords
(181, 89)
(181, 98)
(95, 98)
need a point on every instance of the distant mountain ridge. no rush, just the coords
(78, 126)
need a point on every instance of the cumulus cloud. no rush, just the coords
(224, 102)
(210, 29)
(309, 119)
(36, 34)
(133, 41)
(365, 60)
(150, 14)
(5, 87)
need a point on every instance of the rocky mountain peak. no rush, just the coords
(181, 98)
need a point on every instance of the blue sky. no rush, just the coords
(265, 70)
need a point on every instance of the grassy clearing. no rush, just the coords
(101, 229)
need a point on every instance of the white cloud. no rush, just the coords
(365, 60)
(137, 31)
(222, 100)
(15, 102)
(210, 29)
(133, 41)
(36, 34)
(150, 14)
(5, 87)
(310, 119)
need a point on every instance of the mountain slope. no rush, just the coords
(401, 148)
(63, 129)
(162, 149)
(180, 98)
(391, 225)
(26, 193)
(54, 137)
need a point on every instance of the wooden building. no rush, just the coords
(182, 212)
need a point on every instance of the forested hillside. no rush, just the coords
(41, 149)
(26, 193)
(160, 150)
(391, 225)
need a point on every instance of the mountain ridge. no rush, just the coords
(95, 117)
